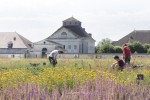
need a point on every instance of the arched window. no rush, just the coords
(63, 35)
(44, 51)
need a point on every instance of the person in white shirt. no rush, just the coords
(52, 57)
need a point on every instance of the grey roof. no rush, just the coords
(53, 42)
(19, 42)
(47, 40)
(142, 36)
(12, 51)
(78, 30)
(71, 19)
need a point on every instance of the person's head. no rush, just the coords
(125, 45)
(60, 52)
(116, 58)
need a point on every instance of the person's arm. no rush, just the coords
(123, 53)
(113, 65)
(54, 56)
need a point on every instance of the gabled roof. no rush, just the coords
(142, 36)
(71, 19)
(17, 40)
(47, 40)
(78, 31)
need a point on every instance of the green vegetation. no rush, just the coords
(105, 46)
(72, 76)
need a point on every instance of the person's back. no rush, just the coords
(120, 63)
(126, 53)
(52, 57)
(53, 54)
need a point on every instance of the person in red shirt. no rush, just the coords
(126, 53)
(120, 63)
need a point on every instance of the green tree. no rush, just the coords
(146, 46)
(138, 47)
(105, 46)
(148, 51)
(117, 49)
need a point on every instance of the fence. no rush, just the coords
(99, 56)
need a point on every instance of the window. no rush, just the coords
(64, 46)
(64, 23)
(14, 38)
(44, 42)
(10, 45)
(75, 46)
(63, 35)
(69, 46)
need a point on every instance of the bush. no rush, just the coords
(105, 46)
(117, 49)
(146, 46)
(148, 51)
(138, 47)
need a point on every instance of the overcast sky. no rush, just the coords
(38, 19)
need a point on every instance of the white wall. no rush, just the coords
(68, 42)
(37, 48)
(12, 56)
(57, 35)
(91, 46)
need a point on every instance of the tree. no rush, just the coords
(148, 51)
(117, 49)
(146, 46)
(105, 46)
(137, 47)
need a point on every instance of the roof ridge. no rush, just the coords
(24, 40)
(71, 19)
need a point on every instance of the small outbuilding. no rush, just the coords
(13, 45)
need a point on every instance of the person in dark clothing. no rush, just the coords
(120, 63)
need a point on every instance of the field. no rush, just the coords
(73, 79)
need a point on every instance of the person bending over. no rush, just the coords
(119, 64)
(53, 57)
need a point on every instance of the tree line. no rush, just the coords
(106, 46)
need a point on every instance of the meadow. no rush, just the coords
(73, 79)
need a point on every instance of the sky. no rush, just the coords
(38, 19)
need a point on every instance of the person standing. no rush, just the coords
(53, 57)
(126, 54)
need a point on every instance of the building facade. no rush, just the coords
(73, 37)
(70, 36)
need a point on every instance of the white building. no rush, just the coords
(43, 47)
(13, 45)
(70, 36)
(73, 37)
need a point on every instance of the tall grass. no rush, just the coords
(72, 79)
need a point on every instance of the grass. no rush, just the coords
(73, 79)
